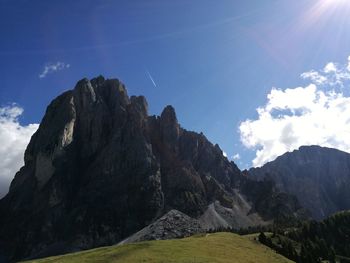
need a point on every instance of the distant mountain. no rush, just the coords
(319, 177)
(100, 169)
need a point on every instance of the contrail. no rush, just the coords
(151, 78)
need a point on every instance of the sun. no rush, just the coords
(325, 9)
(335, 7)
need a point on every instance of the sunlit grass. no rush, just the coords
(211, 248)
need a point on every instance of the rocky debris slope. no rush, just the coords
(99, 169)
(173, 224)
(319, 177)
(239, 215)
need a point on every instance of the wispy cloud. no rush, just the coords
(317, 114)
(14, 138)
(53, 67)
(236, 157)
(332, 75)
(151, 78)
(314, 76)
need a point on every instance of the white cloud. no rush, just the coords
(53, 67)
(314, 76)
(224, 154)
(236, 156)
(332, 75)
(330, 67)
(310, 115)
(14, 138)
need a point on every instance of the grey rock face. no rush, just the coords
(99, 169)
(319, 177)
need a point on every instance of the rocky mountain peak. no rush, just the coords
(99, 169)
(140, 103)
(169, 126)
(110, 92)
(168, 115)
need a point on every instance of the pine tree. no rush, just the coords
(262, 238)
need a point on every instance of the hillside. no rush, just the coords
(318, 176)
(314, 241)
(211, 248)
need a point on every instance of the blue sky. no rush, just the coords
(214, 61)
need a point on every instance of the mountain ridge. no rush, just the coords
(317, 176)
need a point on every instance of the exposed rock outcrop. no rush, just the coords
(99, 168)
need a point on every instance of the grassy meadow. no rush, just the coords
(210, 248)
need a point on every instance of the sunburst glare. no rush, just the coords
(323, 11)
(336, 2)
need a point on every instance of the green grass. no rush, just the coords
(211, 248)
